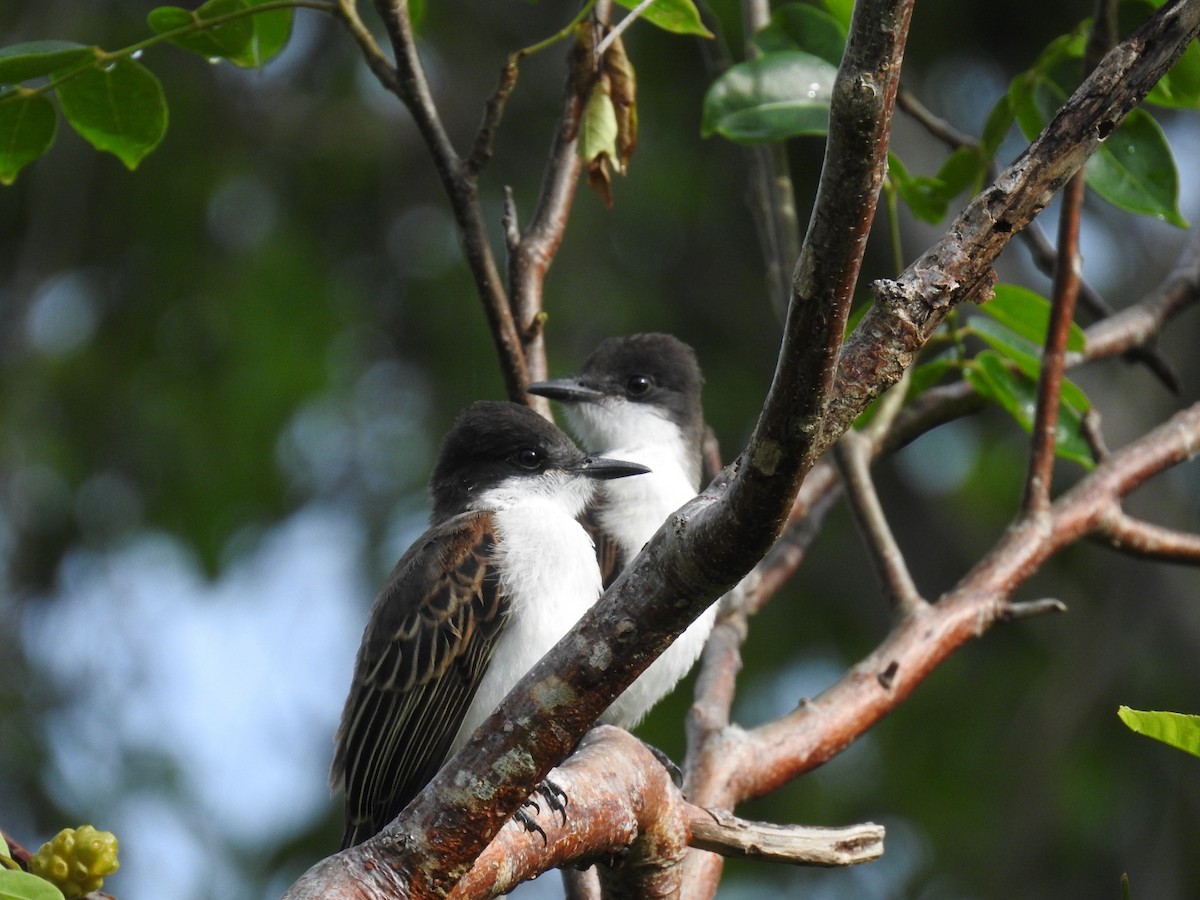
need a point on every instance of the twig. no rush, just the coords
(1144, 539)
(530, 259)
(1062, 314)
(933, 123)
(721, 832)
(1140, 325)
(485, 138)
(463, 192)
(853, 453)
(380, 66)
(617, 30)
(1032, 608)
(1067, 278)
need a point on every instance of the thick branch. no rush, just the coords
(620, 797)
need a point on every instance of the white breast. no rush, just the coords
(633, 510)
(550, 576)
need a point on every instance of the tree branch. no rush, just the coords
(1137, 538)
(705, 547)
(620, 798)
(821, 728)
(959, 267)
(462, 189)
(854, 453)
(1062, 315)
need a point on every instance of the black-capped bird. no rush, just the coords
(503, 572)
(638, 398)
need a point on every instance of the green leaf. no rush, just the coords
(1180, 87)
(928, 374)
(1028, 314)
(229, 40)
(23, 886)
(598, 127)
(1135, 171)
(678, 16)
(929, 197)
(21, 62)
(247, 41)
(798, 26)
(1015, 392)
(841, 10)
(1178, 730)
(1026, 356)
(119, 108)
(27, 126)
(771, 98)
(999, 120)
(273, 29)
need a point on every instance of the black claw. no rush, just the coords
(667, 763)
(556, 797)
(528, 823)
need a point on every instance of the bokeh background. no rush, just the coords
(225, 376)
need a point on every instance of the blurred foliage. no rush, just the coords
(272, 311)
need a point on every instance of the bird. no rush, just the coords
(637, 398)
(504, 571)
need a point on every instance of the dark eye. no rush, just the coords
(638, 385)
(528, 458)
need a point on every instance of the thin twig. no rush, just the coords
(1032, 608)
(853, 453)
(618, 29)
(933, 123)
(1062, 314)
(377, 62)
(1145, 539)
(485, 137)
(463, 192)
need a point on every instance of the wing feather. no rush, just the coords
(608, 551)
(428, 641)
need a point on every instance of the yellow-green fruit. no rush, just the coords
(77, 860)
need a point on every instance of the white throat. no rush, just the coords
(636, 507)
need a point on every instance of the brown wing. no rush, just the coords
(427, 643)
(608, 552)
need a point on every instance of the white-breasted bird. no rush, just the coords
(503, 572)
(638, 398)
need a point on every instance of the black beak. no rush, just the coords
(604, 469)
(568, 390)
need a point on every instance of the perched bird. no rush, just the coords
(638, 398)
(503, 572)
